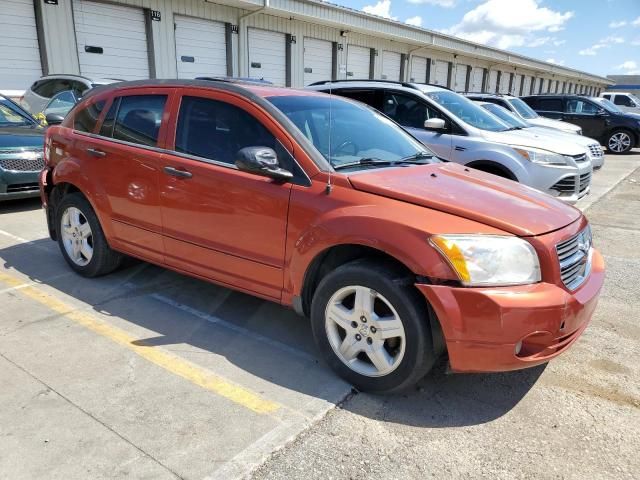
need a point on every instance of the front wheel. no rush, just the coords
(372, 327)
(619, 141)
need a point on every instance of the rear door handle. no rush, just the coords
(174, 172)
(94, 152)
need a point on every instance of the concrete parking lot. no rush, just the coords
(149, 374)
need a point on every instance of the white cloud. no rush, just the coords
(636, 22)
(538, 42)
(557, 42)
(555, 62)
(628, 65)
(603, 43)
(636, 42)
(381, 9)
(493, 23)
(416, 21)
(619, 24)
(438, 3)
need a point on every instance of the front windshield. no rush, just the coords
(606, 104)
(11, 116)
(505, 115)
(345, 132)
(467, 111)
(523, 109)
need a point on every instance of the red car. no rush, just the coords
(322, 204)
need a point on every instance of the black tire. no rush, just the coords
(611, 136)
(397, 288)
(104, 260)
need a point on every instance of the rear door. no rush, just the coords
(218, 222)
(551, 107)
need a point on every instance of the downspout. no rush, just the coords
(243, 38)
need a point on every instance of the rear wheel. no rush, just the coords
(81, 239)
(619, 141)
(372, 327)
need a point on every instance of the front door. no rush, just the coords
(218, 222)
(586, 115)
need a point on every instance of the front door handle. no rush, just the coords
(174, 172)
(94, 152)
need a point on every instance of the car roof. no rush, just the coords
(100, 81)
(369, 83)
(488, 95)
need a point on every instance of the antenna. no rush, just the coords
(329, 186)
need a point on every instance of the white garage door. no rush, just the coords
(268, 56)
(461, 78)
(358, 61)
(517, 82)
(442, 73)
(112, 40)
(318, 60)
(19, 52)
(391, 65)
(418, 73)
(476, 79)
(493, 81)
(201, 49)
(526, 88)
(504, 82)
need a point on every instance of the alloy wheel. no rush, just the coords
(77, 237)
(619, 142)
(365, 331)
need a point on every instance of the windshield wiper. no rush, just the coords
(363, 162)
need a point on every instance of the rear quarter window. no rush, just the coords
(86, 118)
(550, 104)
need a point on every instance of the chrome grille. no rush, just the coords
(579, 158)
(21, 161)
(596, 150)
(585, 182)
(574, 256)
(566, 185)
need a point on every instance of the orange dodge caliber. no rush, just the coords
(326, 206)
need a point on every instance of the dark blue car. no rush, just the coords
(21, 152)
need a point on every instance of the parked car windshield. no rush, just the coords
(345, 132)
(505, 115)
(467, 111)
(523, 109)
(11, 116)
(607, 105)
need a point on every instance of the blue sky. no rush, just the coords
(597, 36)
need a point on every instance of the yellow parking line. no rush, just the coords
(162, 358)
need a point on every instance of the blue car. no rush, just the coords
(21, 152)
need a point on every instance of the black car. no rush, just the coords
(598, 117)
(21, 145)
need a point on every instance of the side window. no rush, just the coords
(575, 105)
(78, 88)
(44, 88)
(407, 110)
(217, 130)
(365, 96)
(62, 102)
(550, 104)
(607, 96)
(106, 129)
(622, 100)
(86, 118)
(138, 119)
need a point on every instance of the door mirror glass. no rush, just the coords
(54, 118)
(262, 161)
(435, 124)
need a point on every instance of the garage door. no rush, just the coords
(201, 48)
(526, 88)
(268, 56)
(442, 73)
(493, 81)
(461, 78)
(19, 53)
(358, 61)
(517, 83)
(504, 82)
(318, 60)
(476, 79)
(391, 65)
(418, 73)
(112, 40)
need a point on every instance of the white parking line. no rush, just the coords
(23, 241)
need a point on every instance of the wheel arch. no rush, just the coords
(490, 166)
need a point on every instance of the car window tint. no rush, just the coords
(138, 119)
(217, 130)
(86, 118)
(364, 96)
(550, 104)
(106, 129)
(575, 105)
(45, 88)
(622, 100)
(608, 97)
(408, 111)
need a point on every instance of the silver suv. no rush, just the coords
(458, 130)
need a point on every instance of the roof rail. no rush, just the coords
(325, 82)
(260, 81)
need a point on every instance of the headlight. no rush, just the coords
(489, 260)
(542, 157)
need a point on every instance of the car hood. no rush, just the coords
(523, 138)
(472, 194)
(556, 124)
(565, 136)
(21, 137)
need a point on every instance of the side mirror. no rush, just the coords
(262, 161)
(435, 124)
(54, 118)
(601, 112)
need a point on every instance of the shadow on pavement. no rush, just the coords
(259, 338)
(24, 205)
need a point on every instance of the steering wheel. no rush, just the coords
(346, 144)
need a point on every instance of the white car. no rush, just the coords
(625, 101)
(594, 151)
(37, 96)
(525, 112)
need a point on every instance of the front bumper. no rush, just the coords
(483, 326)
(566, 183)
(15, 185)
